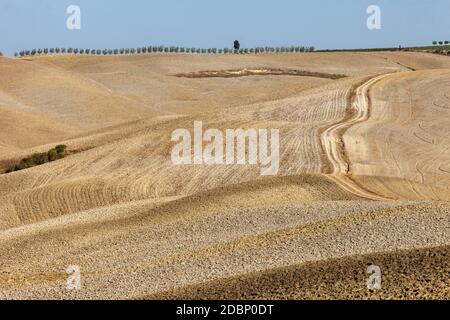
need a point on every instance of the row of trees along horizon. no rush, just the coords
(441, 43)
(173, 49)
(163, 49)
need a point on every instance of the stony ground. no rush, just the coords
(363, 177)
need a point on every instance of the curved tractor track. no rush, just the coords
(333, 142)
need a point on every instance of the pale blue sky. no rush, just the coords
(325, 24)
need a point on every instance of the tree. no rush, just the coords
(441, 43)
(236, 45)
(434, 43)
(57, 50)
(446, 42)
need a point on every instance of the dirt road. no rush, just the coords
(333, 143)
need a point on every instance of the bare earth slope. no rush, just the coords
(363, 177)
(407, 132)
(424, 270)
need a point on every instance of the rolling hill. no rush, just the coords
(363, 178)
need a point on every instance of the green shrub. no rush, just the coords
(37, 159)
(22, 165)
(10, 169)
(27, 163)
(52, 155)
(61, 148)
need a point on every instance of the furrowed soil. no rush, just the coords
(364, 177)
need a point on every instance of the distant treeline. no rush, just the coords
(434, 49)
(361, 50)
(436, 45)
(162, 49)
(441, 43)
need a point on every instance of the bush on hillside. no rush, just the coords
(38, 159)
(61, 148)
